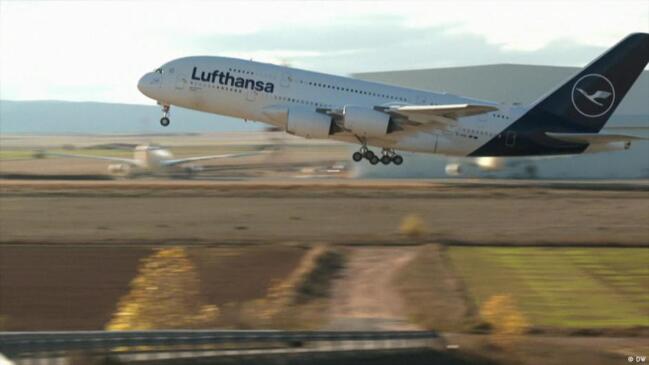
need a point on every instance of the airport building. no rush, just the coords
(523, 84)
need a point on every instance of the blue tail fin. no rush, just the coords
(588, 99)
(583, 104)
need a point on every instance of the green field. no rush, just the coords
(27, 154)
(561, 287)
(180, 151)
(16, 154)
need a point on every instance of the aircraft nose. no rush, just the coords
(142, 84)
(148, 83)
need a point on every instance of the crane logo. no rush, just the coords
(593, 95)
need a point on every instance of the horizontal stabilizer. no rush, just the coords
(592, 138)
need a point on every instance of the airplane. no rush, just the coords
(565, 121)
(152, 159)
(458, 167)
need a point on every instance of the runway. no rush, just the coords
(338, 211)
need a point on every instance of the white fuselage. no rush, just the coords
(565, 121)
(151, 158)
(248, 90)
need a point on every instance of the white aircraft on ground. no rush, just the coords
(151, 159)
(566, 121)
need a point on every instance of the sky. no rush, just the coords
(97, 50)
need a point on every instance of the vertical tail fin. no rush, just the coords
(585, 102)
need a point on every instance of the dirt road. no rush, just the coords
(364, 298)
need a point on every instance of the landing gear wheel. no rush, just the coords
(164, 121)
(374, 160)
(370, 155)
(386, 159)
(397, 160)
(357, 156)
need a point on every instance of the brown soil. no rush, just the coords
(63, 288)
(77, 288)
(364, 297)
(433, 294)
(238, 275)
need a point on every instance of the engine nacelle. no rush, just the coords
(193, 168)
(119, 169)
(366, 122)
(308, 124)
(454, 169)
(490, 163)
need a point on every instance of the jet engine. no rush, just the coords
(485, 164)
(187, 171)
(190, 169)
(119, 169)
(454, 169)
(308, 124)
(366, 122)
(490, 163)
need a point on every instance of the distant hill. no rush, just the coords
(64, 117)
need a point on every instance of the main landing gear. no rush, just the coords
(387, 155)
(367, 154)
(164, 121)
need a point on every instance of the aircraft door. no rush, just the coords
(510, 139)
(181, 81)
(286, 79)
(251, 95)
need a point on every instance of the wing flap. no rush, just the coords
(444, 115)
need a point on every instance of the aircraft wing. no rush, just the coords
(213, 157)
(441, 115)
(128, 161)
(592, 138)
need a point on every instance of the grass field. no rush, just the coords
(28, 154)
(561, 287)
(333, 151)
(123, 153)
(16, 154)
(428, 279)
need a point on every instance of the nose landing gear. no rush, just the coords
(164, 121)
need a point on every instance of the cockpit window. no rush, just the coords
(158, 71)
